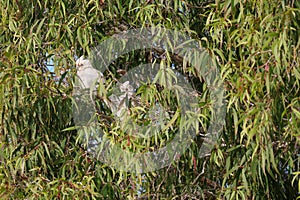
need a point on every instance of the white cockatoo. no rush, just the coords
(87, 75)
(119, 101)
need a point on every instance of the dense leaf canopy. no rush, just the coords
(255, 45)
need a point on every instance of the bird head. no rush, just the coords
(82, 63)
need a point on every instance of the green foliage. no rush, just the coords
(256, 46)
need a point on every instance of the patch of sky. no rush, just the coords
(50, 64)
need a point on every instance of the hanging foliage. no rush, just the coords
(255, 45)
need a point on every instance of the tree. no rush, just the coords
(256, 47)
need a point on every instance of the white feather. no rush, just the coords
(86, 73)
